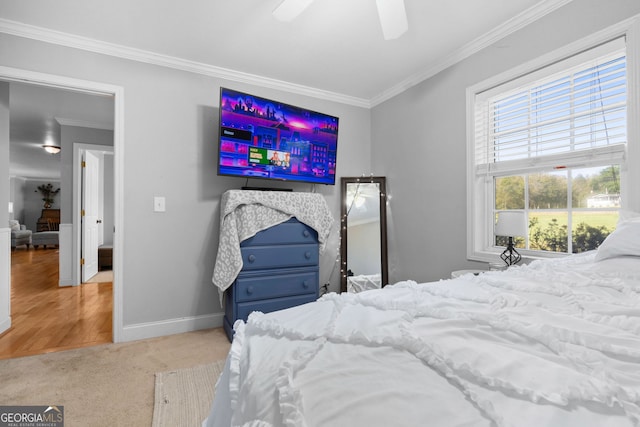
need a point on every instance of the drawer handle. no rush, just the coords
(305, 284)
(249, 290)
(251, 258)
(305, 233)
(307, 255)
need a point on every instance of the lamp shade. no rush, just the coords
(510, 224)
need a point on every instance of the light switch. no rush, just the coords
(158, 204)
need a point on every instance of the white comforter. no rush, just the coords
(555, 343)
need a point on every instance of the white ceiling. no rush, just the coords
(333, 50)
(35, 115)
(334, 46)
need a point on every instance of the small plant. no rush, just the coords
(48, 194)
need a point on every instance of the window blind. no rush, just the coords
(575, 117)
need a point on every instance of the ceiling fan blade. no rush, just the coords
(393, 18)
(289, 9)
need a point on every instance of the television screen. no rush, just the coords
(262, 138)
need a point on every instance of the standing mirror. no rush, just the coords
(363, 246)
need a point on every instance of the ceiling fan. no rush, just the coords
(392, 14)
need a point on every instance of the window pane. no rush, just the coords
(509, 192)
(591, 228)
(548, 231)
(596, 188)
(548, 190)
(580, 108)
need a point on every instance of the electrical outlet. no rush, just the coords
(159, 204)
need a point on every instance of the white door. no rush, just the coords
(90, 214)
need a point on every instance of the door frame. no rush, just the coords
(117, 92)
(78, 151)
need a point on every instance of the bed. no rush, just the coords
(364, 282)
(552, 343)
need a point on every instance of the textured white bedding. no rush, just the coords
(554, 343)
(364, 282)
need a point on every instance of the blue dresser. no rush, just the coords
(280, 270)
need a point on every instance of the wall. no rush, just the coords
(107, 198)
(4, 154)
(419, 141)
(33, 203)
(16, 195)
(70, 135)
(170, 130)
(5, 234)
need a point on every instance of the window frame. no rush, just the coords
(480, 192)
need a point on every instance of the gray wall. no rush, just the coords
(70, 135)
(108, 207)
(4, 156)
(16, 195)
(33, 203)
(419, 141)
(170, 150)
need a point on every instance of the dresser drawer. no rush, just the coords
(267, 306)
(277, 285)
(288, 232)
(270, 257)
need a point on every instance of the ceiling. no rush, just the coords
(35, 115)
(333, 50)
(335, 47)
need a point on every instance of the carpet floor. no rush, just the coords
(183, 397)
(109, 384)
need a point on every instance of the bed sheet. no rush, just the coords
(553, 343)
(364, 282)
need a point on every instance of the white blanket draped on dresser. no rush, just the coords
(246, 212)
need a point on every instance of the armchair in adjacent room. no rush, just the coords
(19, 234)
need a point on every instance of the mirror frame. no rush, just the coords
(381, 181)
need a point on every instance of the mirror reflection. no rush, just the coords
(363, 237)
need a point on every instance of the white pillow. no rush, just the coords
(14, 225)
(624, 241)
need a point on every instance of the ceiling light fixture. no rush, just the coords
(52, 149)
(393, 18)
(288, 10)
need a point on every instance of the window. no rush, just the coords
(551, 143)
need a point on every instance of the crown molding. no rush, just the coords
(92, 45)
(84, 123)
(514, 24)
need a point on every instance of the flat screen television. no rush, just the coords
(263, 138)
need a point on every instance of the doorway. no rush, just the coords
(8, 74)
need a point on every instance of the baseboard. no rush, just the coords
(171, 326)
(5, 325)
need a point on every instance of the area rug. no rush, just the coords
(102, 277)
(183, 397)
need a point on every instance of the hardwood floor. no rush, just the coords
(46, 317)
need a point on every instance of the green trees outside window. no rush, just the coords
(569, 210)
